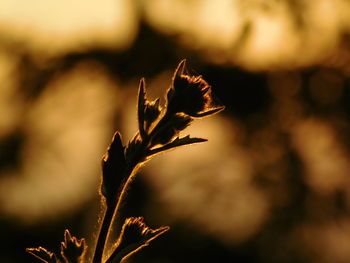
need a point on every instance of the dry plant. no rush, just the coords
(188, 97)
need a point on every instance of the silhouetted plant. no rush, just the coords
(188, 97)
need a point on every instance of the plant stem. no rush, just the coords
(115, 257)
(102, 236)
(111, 210)
(113, 207)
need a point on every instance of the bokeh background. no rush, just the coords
(271, 185)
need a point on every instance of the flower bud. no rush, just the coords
(189, 94)
(113, 168)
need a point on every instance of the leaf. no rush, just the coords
(141, 104)
(135, 235)
(113, 168)
(72, 249)
(180, 69)
(176, 143)
(209, 112)
(43, 254)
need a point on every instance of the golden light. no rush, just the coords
(53, 27)
(209, 186)
(11, 103)
(256, 35)
(326, 241)
(66, 132)
(326, 163)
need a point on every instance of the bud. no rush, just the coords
(113, 168)
(189, 94)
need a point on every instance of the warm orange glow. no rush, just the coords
(327, 165)
(277, 170)
(11, 102)
(67, 130)
(212, 191)
(329, 239)
(253, 34)
(55, 27)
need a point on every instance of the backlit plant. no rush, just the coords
(189, 97)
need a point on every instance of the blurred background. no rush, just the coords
(271, 185)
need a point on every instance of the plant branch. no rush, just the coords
(103, 233)
(111, 209)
